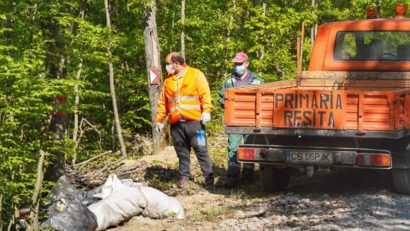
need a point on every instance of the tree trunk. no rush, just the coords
(313, 29)
(112, 87)
(262, 51)
(182, 28)
(55, 50)
(76, 102)
(152, 56)
(1, 209)
(228, 40)
(171, 48)
(35, 199)
(76, 90)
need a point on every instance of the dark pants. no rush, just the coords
(234, 167)
(184, 136)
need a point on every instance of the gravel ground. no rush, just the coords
(341, 200)
(346, 199)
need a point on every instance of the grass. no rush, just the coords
(212, 212)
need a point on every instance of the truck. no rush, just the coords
(350, 109)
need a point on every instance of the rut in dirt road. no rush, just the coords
(346, 199)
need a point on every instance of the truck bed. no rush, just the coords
(346, 103)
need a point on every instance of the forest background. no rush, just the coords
(50, 49)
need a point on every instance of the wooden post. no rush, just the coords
(152, 57)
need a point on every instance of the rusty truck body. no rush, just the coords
(350, 109)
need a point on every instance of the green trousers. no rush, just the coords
(234, 167)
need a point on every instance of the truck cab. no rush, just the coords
(351, 109)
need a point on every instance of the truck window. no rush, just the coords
(372, 46)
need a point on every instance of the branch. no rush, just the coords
(91, 125)
(92, 158)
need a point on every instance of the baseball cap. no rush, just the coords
(240, 57)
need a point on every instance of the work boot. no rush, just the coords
(209, 183)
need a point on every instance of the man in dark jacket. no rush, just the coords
(240, 77)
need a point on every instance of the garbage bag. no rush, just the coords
(119, 202)
(160, 205)
(68, 210)
(68, 214)
(63, 188)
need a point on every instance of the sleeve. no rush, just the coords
(204, 92)
(162, 107)
(221, 95)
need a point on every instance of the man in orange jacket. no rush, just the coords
(186, 99)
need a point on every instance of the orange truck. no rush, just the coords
(350, 109)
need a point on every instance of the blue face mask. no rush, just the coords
(239, 69)
(169, 68)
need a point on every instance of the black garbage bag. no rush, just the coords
(68, 214)
(63, 188)
(68, 210)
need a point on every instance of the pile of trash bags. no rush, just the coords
(114, 202)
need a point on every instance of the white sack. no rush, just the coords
(119, 202)
(159, 205)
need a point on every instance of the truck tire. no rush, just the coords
(401, 181)
(274, 179)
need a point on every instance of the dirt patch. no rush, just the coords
(339, 200)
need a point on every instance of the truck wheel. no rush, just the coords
(274, 179)
(401, 181)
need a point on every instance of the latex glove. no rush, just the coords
(159, 127)
(206, 117)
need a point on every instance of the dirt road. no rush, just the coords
(341, 200)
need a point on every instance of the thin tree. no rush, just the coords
(313, 29)
(182, 28)
(76, 103)
(112, 86)
(35, 199)
(153, 60)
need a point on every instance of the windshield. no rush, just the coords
(372, 46)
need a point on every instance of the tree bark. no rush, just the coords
(76, 103)
(1, 209)
(35, 199)
(152, 56)
(262, 51)
(228, 40)
(76, 90)
(55, 50)
(313, 29)
(112, 86)
(182, 28)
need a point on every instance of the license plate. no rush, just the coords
(310, 157)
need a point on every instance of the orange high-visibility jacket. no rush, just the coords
(184, 98)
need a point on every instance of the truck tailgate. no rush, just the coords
(293, 107)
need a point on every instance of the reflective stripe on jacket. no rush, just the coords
(184, 98)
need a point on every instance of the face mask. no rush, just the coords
(239, 69)
(169, 68)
